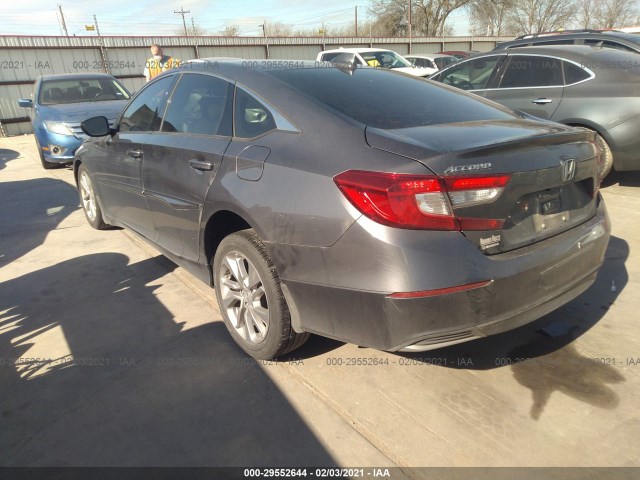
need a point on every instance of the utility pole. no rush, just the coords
(95, 21)
(409, 15)
(64, 25)
(264, 28)
(103, 50)
(184, 23)
(356, 20)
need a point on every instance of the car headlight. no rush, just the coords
(58, 127)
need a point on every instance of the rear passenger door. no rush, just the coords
(530, 83)
(183, 160)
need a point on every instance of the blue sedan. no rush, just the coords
(61, 102)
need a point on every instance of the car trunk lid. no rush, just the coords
(553, 175)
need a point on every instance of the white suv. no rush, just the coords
(375, 57)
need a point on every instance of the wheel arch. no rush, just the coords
(218, 226)
(591, 126)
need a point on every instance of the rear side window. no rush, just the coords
(388, 100)
(200, 104)
(251, 117)
(144, 114)
(573, 73)
(532, 71)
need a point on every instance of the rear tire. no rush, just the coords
(250, 298)
(89, 200)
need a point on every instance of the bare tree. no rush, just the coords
(231, 31)
(606, 14)
(193, 30)
(585, 13)
(616, 13)
(428, 16)
(278, 29)
(490, 17)
(533, 16)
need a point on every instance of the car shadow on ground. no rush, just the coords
(624, 179)
(541, 354)
(7, 155)
(30, 210)
(107, 377)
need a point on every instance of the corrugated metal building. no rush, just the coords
(24, 58)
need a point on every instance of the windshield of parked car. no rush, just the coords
(388, 100)
(78, 90)
(384, 59)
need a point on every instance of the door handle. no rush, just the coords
(541, 101)
(134, 153)
(200, 165)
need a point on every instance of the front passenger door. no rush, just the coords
(183, 160)
(119, 175)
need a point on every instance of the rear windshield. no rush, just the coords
(388, 100)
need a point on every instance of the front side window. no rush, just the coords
(444, 62)
(424, 63)
(144, 114)
(472, 74)
(532, 71)
(251, 117)
(384, 59)
(200, 104)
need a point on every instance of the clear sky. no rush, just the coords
(146, 17)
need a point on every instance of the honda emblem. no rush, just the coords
(568, 169)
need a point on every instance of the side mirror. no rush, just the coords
(96, 127)
(25, 102)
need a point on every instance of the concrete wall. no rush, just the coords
(24, 58)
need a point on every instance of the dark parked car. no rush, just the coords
(437, 219)
(61, 102)
(601, 38)
(591, 87)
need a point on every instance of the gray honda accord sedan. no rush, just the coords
(359, 204)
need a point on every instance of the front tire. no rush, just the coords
(250, 298)
(89, 200)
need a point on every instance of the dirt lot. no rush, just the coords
(111, 355)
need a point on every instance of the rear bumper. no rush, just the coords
(525, 285)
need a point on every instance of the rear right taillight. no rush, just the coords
(421, 201)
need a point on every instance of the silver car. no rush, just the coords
(591, 87)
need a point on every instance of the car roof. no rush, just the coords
(430, 56)
(611, 35)
(570, 52)
(597, 59)
(72, 76)
(357, 50)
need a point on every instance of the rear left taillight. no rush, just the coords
(421, 201)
